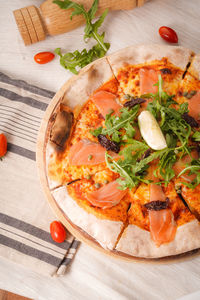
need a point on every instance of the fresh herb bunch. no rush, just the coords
(133, 164)
(192, 168)
(196, 136)
(114, 124)
(77, 59)
(170, 120)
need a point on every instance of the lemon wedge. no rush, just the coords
(150, 131)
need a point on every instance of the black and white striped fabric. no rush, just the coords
(24, 213)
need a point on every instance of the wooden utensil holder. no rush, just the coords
(35, 24)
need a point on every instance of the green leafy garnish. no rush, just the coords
(196, 136)
(135, 157)
(170, 119)
(113, 124)
(193, 168)
(131, 170)
(72, 60)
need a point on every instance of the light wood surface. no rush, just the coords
(51, 20)
(43, 137)
(93, 275)
(5, 295)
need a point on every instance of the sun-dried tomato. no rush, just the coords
(157, 205)
(108, 144)
(165, 71)
(190, 120)
(133, 102)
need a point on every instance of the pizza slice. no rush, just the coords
(137, 68)
(68, 125)
(189, 93)
(158, 228)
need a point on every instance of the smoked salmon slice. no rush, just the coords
(181, 164)
(162, 224)
(86, 152)
(106, 102)
(148, 77)
(156, 193)
(107, 196)
(194, 106)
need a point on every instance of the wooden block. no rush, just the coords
(5, 295)
(22, 27)
(37, 22)
(29, 25)
(140, 2)
(117, 4)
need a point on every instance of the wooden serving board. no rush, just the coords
(76, 231)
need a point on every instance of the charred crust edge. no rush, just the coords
(62, 123)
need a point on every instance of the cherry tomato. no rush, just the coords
(57, 231)
(43, 57)
(3, 145)
(168, 34)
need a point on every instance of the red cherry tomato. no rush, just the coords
(58, 232)
(3, 145)
(43, 57)
(168, 34)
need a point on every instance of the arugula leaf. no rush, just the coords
(194, 168)
(128, 179)
(72, 60)
(113, 124)
(134, 146)
(79, 59)
(196, 136)
(115, 167)
(167, 160)
(170, 119)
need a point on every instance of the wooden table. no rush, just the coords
(92, 275)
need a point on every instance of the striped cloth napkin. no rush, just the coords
(24, 213)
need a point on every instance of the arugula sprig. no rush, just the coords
(193, 168)
(131, 170)
(196, 136)
(169, 118)
(114, 124)
(79, 59)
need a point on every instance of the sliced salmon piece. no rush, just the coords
(148, 77)
(156, 193)
(181, 164)
(107, 196)
(162, 226)
(86, 152)
(105, 102)
(194, 106)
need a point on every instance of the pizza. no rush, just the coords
(122, 151)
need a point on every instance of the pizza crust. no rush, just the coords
(137, 242)
(82, 86)
(138, 54)
(194, 68)
(49, 151)
(105, 232)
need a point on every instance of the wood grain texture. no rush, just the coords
(22, 27)
(54, 20)
(5, 295)
(93, 275)
(36, 22)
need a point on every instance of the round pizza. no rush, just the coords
(122, 151)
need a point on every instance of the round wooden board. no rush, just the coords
(76, 231)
